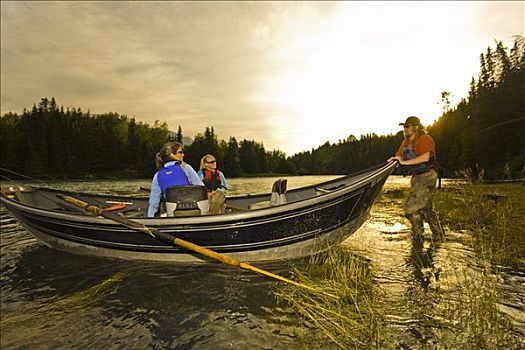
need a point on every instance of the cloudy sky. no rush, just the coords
(291, 75)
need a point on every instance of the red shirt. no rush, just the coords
(422, 144)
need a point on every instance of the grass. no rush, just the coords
(350, 321)
(493, 214)
(473, 319)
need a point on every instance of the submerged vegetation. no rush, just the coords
(69, 305)
(470, 313)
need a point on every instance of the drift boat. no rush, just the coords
(299, 223)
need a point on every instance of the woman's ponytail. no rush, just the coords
(165, 152)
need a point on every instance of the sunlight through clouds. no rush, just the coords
(365, 67)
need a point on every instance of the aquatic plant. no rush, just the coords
(463, 310)
(349, 321)
(494, 214)
(91, 295)
(67, 305)
(469, 306)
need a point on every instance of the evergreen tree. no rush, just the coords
(232, 162)
(179, 135)
(248, 156)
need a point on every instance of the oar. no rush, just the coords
(180, 242)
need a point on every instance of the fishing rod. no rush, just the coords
(15, 173)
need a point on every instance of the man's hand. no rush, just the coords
(395, 158)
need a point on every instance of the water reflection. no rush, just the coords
(54, 295)
(422, 260)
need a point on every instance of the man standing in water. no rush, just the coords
(417, 157)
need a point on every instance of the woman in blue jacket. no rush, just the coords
(172, 171)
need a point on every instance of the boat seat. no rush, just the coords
(187, 200)
(278, 196)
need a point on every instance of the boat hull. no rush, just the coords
(310, 246)
(297, 229)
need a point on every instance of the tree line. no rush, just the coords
(50, 142)
(484, 130)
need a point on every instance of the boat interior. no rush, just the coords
(137, 206)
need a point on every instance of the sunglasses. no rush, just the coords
(407, 126)
(211, 162)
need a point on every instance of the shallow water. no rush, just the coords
(55, 300)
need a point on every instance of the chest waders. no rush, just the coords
(418, 204)
(409, 153)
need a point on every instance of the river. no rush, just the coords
(51, 299)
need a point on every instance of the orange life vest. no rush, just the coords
(212, 179)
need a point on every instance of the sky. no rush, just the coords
(292, 75)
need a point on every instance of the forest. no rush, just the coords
(485, 130)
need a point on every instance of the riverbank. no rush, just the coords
(493, 213)
(458, 295)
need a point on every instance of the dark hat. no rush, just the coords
(411, 121)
